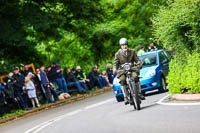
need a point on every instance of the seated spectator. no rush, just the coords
(72, 81)
(30, 87)
(56, 73)
(101, 78)
(152, 47)
(17, 81)
(95, 78)
(104, 74)
(109, 72)
(81, 76)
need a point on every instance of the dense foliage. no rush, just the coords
(72, 32)
(176, 27)
(184, 77)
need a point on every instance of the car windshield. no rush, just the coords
(148, 60)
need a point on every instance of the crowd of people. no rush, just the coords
(25, 89)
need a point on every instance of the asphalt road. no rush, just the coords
(102, 114)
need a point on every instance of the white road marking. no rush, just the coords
(41, 126)
(176, 104)
(98, 104)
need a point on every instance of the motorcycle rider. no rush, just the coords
(122, 56)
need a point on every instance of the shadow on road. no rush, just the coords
(153, 93)
(148, 106)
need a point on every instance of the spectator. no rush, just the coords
(101, 78)
(52, 83)
(30, 87)
(141, 51)
(2, 100)
(26, 71)
(45, 85)
(104, 74)
(38, 85)
(152, 47)
(72, 81)
(109, 72)
(17, 81)
(94, 81)
(81, 77)
(56, 74)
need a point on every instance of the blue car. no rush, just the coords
(153, 74)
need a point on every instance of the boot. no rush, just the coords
(142, 97)
(126, 101)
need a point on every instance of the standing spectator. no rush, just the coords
(26, 71)
(141, 51)
(53, 81)
(38, 85)
(72, 81)
(152, 47)
(11, 101)
(81, 77)
(2, 100)
(45, 84)
(17, 81)
(30, 87)
(93, 78)
(109, 72)
(56, 73)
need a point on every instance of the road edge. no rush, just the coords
(176, 104)
(54, 105)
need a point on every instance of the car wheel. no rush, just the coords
(163, 86)
(119, 98)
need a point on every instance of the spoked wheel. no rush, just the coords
(135, 96)
(132, 100)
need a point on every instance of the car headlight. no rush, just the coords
(116, 81)
(150, 73)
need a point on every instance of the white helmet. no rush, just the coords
(123, 41)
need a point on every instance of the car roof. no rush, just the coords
(151, 52)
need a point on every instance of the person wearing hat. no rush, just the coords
(81, 76)
(18, 85)
(72, 81)
(122, 56)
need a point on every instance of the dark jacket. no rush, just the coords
(70, 77)
(55, 74)
(121, 58)
(17, 82)
(109, 72)
(44, 78)
(152, 48)
(93, 78)
(80, 75)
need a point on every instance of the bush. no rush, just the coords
(184, 75)
(176, 26)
